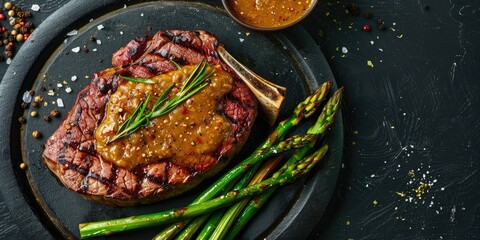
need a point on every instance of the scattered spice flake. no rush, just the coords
(420, 190)
(381, 50)
(35, 7)
(73, 78)
(241, 39)
(100, 27)
(247, 34)
(375, 202)
(51, 92)
(400, 36)
(68, 90)
(94, 49)
(72, 33)
(369, 63)
(60, 103)
(347, 223)
(401, 194)
(76, 49)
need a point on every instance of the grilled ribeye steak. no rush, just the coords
(71, 152)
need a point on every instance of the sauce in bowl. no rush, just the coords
(268, 14)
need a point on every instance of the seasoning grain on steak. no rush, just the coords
(71, 152)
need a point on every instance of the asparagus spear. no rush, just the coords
(113, 226)
(304, 109)
(324, 121)
(260, 175)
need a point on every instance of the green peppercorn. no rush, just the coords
(36, 134)
(8, 5)
(19, 37)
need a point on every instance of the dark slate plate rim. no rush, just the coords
(46, 39)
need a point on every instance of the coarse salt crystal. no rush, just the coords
(35, 7)
(60, 102)
(99, 42)
(9, 60)
(141, 15)
(27, 97)
(372, 42)
(344, 50)
(73, 78)
(51, 92)
(68, 90)
(72, 33)
(76, 49)
(121, 32)
(241, 39)
(59, 85)
(94, 49)
(100, 27)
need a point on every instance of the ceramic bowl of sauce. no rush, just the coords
(268, 15)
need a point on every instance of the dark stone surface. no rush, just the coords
(411, 120)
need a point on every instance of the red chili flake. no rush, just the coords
(199, 140)
(65, 166)
(122, 143)
(219, 123)
(26, 36)
(152, 136)
(184, 110)
(191, 152)
(366, 28)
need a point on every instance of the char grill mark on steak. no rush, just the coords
(71, 155)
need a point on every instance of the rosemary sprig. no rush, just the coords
(195, 82)
(139, 80)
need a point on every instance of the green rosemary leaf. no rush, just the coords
(176, 64)
(139, 80)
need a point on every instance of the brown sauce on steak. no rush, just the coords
(194, 129)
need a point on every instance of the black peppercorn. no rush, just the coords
(5, 34)
(379, 21)
(54, 113)
(28, 24)
(24, 105)
(21, 14)
(368, 15)
(382, 27)
(43, 89)
(22, 120)
(24, 29)
(31, 93)
(46, 118)
(11, 38)
(85, 48)
(35, 104)
(9, 54)
(92, 38)
(27, 14)
(425, 7)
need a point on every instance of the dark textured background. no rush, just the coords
(411, 120)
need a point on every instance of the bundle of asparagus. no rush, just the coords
(237, 186)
